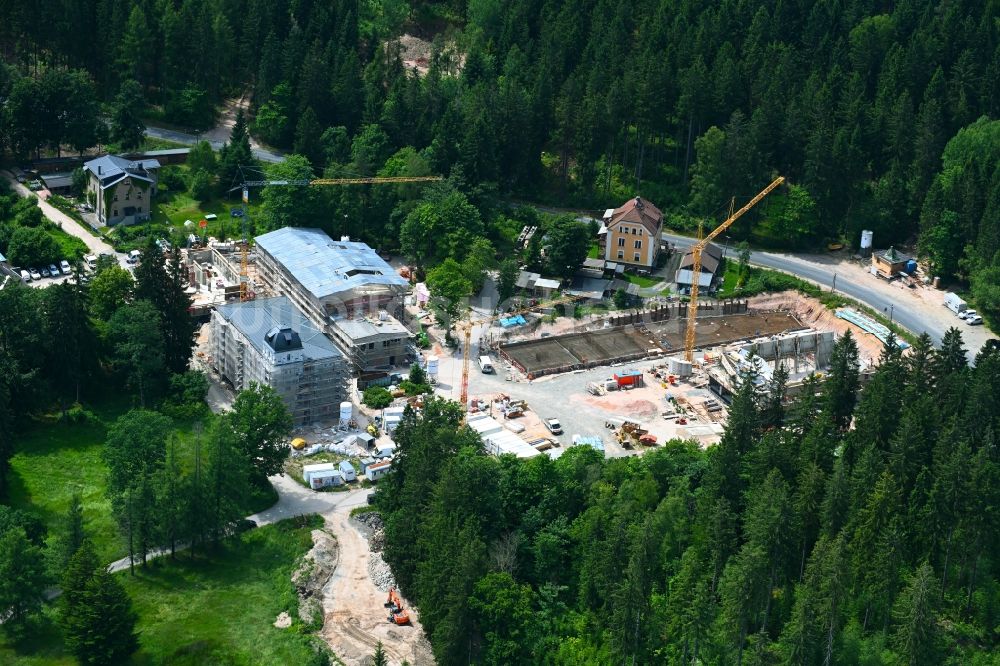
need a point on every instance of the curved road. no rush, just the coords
(823, 275)
(189, 139)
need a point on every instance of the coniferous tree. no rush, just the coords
(916, 623)
(841, 386)
(96, 613)
(70, 537)
(22, 579)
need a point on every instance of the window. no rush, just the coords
(128, 195)
(621, 255)
(621, 242)
(140, 209)
(138, 195)
(371, 345)
(640, 231)
(116, 196)
(638, 245)
(635, 256)
(116, 212)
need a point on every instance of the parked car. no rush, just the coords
(54, 271)
(44, 271)
(65, 267)
(554, 426)
(974, 320)
(968, 314)
(26, 276)
(35, 275)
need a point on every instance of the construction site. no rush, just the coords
(627, 387)
(624, 338)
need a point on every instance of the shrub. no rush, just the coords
(376, 397)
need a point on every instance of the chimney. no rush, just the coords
(99, 169)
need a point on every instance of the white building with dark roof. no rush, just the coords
(121, 190)
(271, 342)
(344, 287)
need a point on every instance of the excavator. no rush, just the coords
(397, 615)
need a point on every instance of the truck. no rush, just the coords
(953, 302)
(486, 365)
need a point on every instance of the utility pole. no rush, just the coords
(833, 287)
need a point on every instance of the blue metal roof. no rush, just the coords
(255, 319)
(326, 267)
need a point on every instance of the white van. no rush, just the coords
(486, 365)
(91, 261)
(133, 257)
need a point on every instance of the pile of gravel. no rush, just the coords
(380, 573)
(371, 520)
(374, 529)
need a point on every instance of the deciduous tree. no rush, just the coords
(260, 424)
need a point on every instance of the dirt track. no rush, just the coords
(354, 615)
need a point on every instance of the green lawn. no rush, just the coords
(729, 279)
(212, 612)
(54, 460)
(642, 280)
(221, 610)
(594, 251)
(172, 210)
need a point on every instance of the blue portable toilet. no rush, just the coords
(911, 266)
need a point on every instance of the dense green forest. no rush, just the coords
(861, 104)
(829, 530)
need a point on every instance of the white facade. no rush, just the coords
(269, 342)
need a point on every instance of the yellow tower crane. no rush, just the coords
(467, 325)
(696, 251)
(247, 184)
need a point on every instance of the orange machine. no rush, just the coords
(397, 614)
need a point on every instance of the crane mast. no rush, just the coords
(697, 249)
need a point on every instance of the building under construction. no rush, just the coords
(271, 342)
(802, 353)
(633, 336)
(344, 287)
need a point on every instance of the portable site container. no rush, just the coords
(628, 378)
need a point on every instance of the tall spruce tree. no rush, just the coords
(841, 387)
(96, 613)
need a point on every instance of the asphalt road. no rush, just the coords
(823, 276)
(190, 139)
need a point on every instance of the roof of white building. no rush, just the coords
(256, 319)
(326, 267)
(360, 329)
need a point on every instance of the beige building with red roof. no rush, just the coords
(632, 233)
